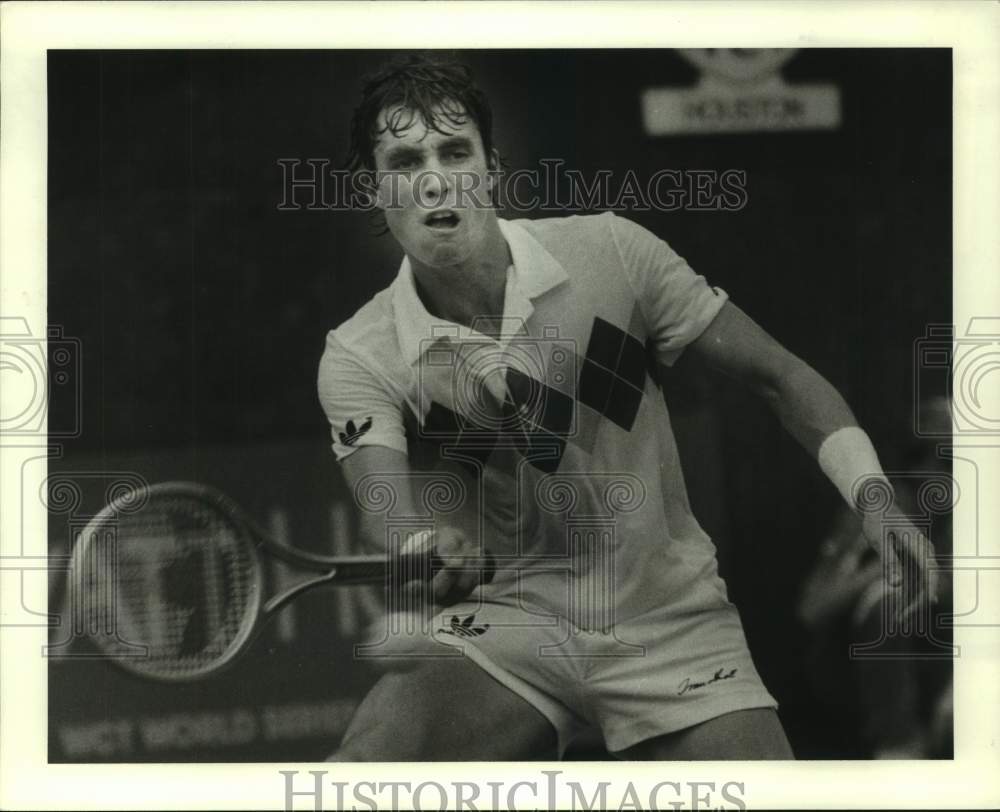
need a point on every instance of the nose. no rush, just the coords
(434, 183)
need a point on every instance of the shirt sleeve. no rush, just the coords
(677, 304)
(361, 409)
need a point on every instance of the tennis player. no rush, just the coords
(518, 358)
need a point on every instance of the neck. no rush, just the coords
(470, 290)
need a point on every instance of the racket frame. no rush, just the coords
(331, 569)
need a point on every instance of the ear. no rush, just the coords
(493, 164)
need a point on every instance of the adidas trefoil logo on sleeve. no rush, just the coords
(353, 433)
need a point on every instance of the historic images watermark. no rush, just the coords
(34, 368)
(37, 367)
(311, 184)
(546, 790)
(956, 419)
(964, 364)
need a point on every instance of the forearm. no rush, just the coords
(818, 417)
(380, 483)
(808, 406)
(372, 533)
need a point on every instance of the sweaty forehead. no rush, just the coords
(399, 124)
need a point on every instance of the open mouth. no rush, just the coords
(443, 220)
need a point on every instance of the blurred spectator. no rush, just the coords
(899, 703)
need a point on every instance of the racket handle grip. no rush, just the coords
(414, 566)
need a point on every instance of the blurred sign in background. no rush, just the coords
(740, 90)
(200, 310)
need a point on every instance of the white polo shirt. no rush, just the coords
(556, 439)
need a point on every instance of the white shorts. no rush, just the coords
(663, 671)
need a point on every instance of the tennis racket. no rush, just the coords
(172, 582)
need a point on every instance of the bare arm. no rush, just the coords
(811, 410)
(807, 405)
(378, 467)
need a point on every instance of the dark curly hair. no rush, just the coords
(441, 92)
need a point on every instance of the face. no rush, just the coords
(434, 189)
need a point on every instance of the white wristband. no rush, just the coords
(848, 458)
(418, 542)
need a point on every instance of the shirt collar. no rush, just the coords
(534, 272)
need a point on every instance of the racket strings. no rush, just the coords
(179, 581)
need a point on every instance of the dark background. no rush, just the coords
(201, 309)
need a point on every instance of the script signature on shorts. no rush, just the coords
(689, 685)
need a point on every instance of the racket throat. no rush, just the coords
(280, 600)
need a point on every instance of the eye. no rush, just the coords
(457, 154)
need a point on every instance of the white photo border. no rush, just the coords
(971, 29)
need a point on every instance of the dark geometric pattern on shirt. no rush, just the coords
(537, 418)
(613, 374)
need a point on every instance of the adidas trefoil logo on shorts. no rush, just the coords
(464, 628)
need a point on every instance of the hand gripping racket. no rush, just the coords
(171, 578)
